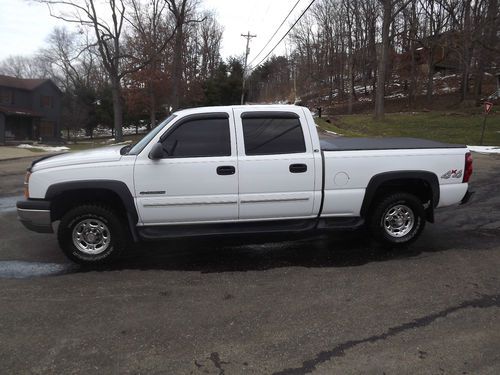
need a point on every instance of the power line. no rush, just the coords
(278, 29)
(290, 29)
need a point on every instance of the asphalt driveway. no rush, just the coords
(335, 304)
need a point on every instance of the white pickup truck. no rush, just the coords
(240, 169)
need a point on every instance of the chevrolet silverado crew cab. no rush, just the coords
(240, 169)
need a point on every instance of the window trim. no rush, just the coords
(194, 117)
(269, 114)
(272, 115)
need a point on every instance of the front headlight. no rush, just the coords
(26, 185)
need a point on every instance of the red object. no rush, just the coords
(487, 107)
(468, 167)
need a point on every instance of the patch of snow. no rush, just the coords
(485, 149)
(397, 95)
(44, 147)
(329, 131)
(438, 76)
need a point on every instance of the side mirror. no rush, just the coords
(156, 152)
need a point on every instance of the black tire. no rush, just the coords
(111, 233)
(400, 206)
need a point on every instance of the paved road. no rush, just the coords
(328, 304)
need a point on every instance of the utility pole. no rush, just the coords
(248, 36)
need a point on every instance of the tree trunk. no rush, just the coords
(466, 51)
(413, 79)
(383, 61)
(177, 68)
(350, 62)
(413, 64)
(152, 108)
(430, 76)
(116, 93)
(484, 55)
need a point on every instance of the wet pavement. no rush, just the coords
(22, 270)
(326, 304)
(8, 203)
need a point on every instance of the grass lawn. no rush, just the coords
(440, 126)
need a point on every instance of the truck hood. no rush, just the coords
(97, 155)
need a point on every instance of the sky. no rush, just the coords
(25, 24)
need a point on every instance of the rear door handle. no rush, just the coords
(226, 170)
(298, 168)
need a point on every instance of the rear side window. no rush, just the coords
(271, 136)
(199, 138)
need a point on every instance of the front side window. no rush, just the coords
(199, 138)
(271, 136)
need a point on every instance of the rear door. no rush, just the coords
(197, 180)
(275, 164)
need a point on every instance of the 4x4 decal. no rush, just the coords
(454, 173)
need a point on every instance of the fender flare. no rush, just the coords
(377, 180)
(117, 187)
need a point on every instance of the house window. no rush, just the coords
(46, 101)
(6, 97)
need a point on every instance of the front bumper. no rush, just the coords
(35, 215)
(467, 197)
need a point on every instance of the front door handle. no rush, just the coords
(298, 168)
(226, 170)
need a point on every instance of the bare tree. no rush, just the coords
(24, 67)
(108, 33)
(390, 8)
(150, 26)
(182, 10)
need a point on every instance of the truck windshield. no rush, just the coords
(139, 146)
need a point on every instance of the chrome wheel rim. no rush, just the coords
(91, 236)
(398, 220)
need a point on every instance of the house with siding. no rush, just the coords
(30, 109)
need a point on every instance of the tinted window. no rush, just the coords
(197, 138)
(264, 136)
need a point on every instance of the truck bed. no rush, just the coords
(332, 143)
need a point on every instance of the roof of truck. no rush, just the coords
(264, 107)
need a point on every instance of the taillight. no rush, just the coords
(468, 167)
(26, 185)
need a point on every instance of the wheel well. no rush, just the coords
(419, 187)
(67, 200)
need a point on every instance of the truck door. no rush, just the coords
(276, 165)
(197, 179)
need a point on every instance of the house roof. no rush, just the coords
(9, 111)
(22, 83)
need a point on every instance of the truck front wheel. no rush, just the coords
(91, 234)
(397, 219)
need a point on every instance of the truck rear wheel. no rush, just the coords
(91, 234)
(397, 219)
